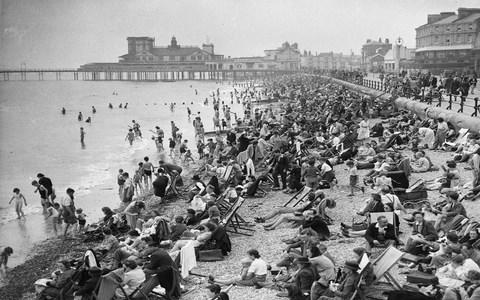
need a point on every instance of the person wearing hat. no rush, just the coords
(470, 291)
(86, 290)
(303, 279)
(423, 233)
(132, 279)
(348, 283)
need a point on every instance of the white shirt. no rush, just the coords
(325, 168)
(258, 267)
(66, 201)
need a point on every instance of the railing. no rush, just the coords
(36, 70)
(436, 98)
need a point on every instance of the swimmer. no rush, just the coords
(130, 136)
(88, 120)
(94, 110)
(120, 106)
(63, 110)
(189, 112)
(18, 197)
(80, 116)
(126, 104)
(110, 105)
(82, 136)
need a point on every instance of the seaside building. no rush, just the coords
(144, 59)
(143, 50)
(330, 61)
(449, 41)
(399, 58)
(373, 54)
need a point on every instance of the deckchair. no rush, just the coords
(145, 289)
(107, 286)
(234, 221)
(384, 262)
(172, 188)
(299, 196)
(461, 139)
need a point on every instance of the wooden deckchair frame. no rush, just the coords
(383, 264)
(299, 196)
(234, 221)
(172, 189)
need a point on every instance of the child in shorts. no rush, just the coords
(81, 217)
(54, 213)
(353, 175)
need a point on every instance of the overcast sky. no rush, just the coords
(68, 33)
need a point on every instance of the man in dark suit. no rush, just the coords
(382, 232)
(423, 232)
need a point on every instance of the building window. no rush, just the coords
(447, 41)
(470, 27)
(171, 57)
(260, 66)
(441, 54)
(459, 27)
(177, 58)
(193, 57)
(436, 39)
(199, 57)
(469, 38)
(182, 58)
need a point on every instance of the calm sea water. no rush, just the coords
(36, 137)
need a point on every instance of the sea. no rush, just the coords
(37, 138)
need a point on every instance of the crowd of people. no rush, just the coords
(294, 148)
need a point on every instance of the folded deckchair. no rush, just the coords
(299, 196)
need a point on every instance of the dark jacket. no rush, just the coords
(428, 231)
(305, 277)
(373, 235)
(88, 287)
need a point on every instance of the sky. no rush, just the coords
(69, 33)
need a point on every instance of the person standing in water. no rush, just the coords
(82, 136)
(43, 194)
(80, 116)
(110, 105)
(63, 110)
(94, 110)
(68, 210)
(18, 197)
(130, 136)
(147, 172)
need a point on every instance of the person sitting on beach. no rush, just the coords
(245, 262)
(132, 279)
(60, 278)
(214, 292)
(4, 255)
(199, 237)
(421, 164)
(381, 232)
(132, 246)
(109, 242)
(284, 210)
(177, 229)
(347, 286)
(458, 268)
(451, 209)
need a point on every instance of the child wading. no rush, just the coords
(18, 197)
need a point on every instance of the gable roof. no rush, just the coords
(446, 20)
(469, 19)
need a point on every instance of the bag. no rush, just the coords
(417, 277)
(210, 255)
(358, 226)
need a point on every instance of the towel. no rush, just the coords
(187, 259)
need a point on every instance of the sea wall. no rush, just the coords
(422, 109)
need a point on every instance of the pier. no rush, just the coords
(134, 75)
